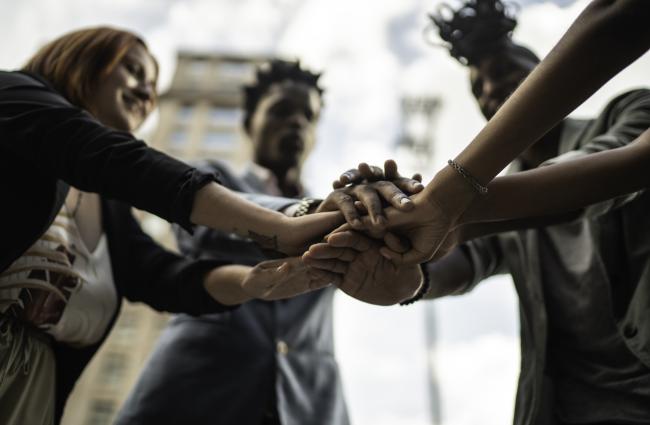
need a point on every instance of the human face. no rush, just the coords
(127, 95)
(495, 78)
(283, 126)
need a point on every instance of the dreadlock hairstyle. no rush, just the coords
(477, 29)
(275, 71)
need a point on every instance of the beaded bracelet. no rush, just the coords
(470, 178)
(304, 206)
(424, 288)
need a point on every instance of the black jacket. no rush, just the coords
(47, 144)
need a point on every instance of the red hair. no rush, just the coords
(75, 63)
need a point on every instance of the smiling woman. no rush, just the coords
(70, 169)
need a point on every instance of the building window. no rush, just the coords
(237, 71)
(216, 140)
(125, 330)
(113, 370)
(101, 412)
(220, 116)
(197, 69)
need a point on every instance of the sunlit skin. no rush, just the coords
(127, 94)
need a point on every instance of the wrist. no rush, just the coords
(225, 284)
(451, 193)
(424, 288)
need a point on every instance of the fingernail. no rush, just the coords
(405, 200)
(383, 254)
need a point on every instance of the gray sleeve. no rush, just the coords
(623, 120)
(486, 257)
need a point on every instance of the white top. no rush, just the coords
(60, 286)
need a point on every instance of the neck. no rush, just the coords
(289, 181)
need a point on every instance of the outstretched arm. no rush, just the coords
(566, 186)
(605, 38)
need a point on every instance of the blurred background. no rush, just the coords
(390, 93)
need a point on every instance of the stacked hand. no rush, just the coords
(361, 257)
(427, 226)
(367, 276)
(278, 279)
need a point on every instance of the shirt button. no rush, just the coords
(282, 347)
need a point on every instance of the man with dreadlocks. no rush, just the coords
(576, 281)
(265, 362)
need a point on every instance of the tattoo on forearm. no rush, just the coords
(266, 242)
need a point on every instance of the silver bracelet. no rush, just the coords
(304, 206)
(470, 178)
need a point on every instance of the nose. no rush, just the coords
(145, 92)
(297, 120)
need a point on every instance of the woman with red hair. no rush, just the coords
(70, 170)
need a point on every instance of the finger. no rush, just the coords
(350, 239)
(342, 228)
(393, 195)
(395, 243)
(334, 266)
(322, 279)
(323, 251)
(360, 207)
(351, 176)
(345, 204)
(418, 177)
(370, 199)
(371, 173)
(390, 170)
(407, 258)
(408, 186)
(336, 184)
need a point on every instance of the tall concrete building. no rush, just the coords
(199, 117)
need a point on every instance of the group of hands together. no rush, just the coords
(378, 226)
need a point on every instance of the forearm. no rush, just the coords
(566, 186)
(221, 209)
(605, 38)
(224, 284)
(469, 231)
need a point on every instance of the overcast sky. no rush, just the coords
(373, 52)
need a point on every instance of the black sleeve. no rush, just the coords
(43, 129)
(146, 272)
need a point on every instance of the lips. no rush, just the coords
(132, 103)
